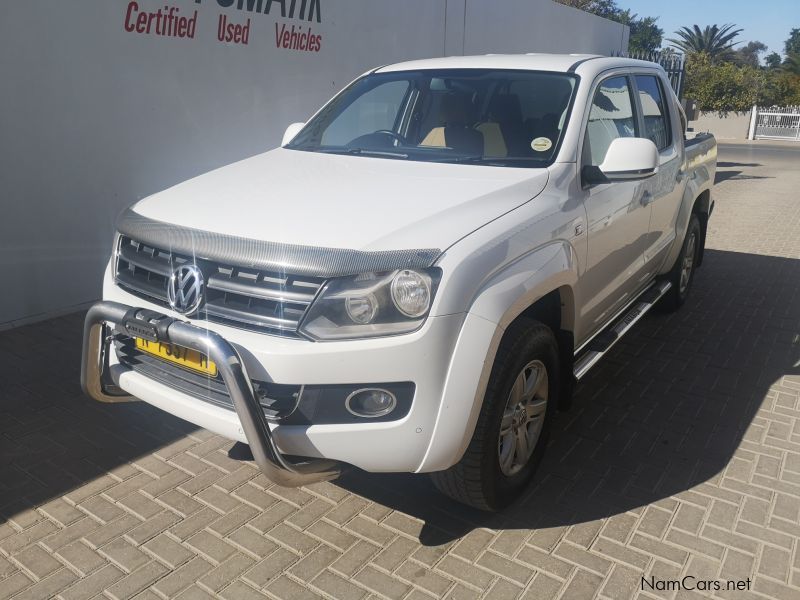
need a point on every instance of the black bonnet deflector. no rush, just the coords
(273, 256)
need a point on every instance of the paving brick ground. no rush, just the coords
(680, 457)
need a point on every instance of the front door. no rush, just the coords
(618, 213)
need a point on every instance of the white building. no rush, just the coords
(107, 101)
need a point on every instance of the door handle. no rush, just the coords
(681, 174)
(646, 198)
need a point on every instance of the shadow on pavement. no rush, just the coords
(52, 438)
(737, 175)
(723, 164)
(664, 412)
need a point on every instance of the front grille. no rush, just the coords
(265, 301)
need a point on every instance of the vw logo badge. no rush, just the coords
(185, 289)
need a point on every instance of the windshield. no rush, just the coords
(476, 116)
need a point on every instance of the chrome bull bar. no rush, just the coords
(99, 383)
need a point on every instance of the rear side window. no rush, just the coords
(611, 117)
(654, 113)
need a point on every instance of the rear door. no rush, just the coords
(663, 191)
(618, 213)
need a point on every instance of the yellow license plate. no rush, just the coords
(178, 355)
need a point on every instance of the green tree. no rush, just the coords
(602, 8)
(792, 45)
(773, 60)
(714, 41)
(792, 63)
(782, 89)
(645, 36)
(722, 86)
(669, 52)
(749, 54)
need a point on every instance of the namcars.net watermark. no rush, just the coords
(692, 583)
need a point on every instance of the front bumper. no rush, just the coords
(98, 382)
(418, 442)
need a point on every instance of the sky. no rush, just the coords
(768, 21)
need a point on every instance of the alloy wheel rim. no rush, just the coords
(688, 262)
(523, 418)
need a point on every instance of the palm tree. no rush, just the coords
(713, 40)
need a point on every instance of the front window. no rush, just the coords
(476, 116)
(610, 117)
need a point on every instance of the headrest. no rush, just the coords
(455, 109)
(506, 108)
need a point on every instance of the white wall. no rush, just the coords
(731, 126)
(516, 26)
(93, 117)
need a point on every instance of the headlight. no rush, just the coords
(362, 309)
(411, 293)
(371, 305)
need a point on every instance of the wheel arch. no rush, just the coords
(550, 277)
(540, 286)
(556, 309)
(696, 200)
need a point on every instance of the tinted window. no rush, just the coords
(656, 126)
(610, 117)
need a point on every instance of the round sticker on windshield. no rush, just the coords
(541, 144)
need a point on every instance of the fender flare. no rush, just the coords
(507, 294)
(699, 183)
(502, 298)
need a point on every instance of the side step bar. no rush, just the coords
(601, 344)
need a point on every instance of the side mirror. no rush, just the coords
(291, 131)
(627, 159)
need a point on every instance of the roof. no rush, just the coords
(581, 64)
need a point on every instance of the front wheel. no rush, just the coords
(512, 429)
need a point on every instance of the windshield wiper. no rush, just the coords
(366, 152)
(488, 160)
(477, 158)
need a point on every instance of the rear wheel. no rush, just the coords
(512, 429)
(681, 275)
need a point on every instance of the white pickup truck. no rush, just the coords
(414, 281)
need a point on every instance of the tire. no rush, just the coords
(528, 353)
(678, 276)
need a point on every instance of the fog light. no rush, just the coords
(370, 403)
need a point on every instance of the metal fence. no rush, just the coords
(777, 123)
(674, 64)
